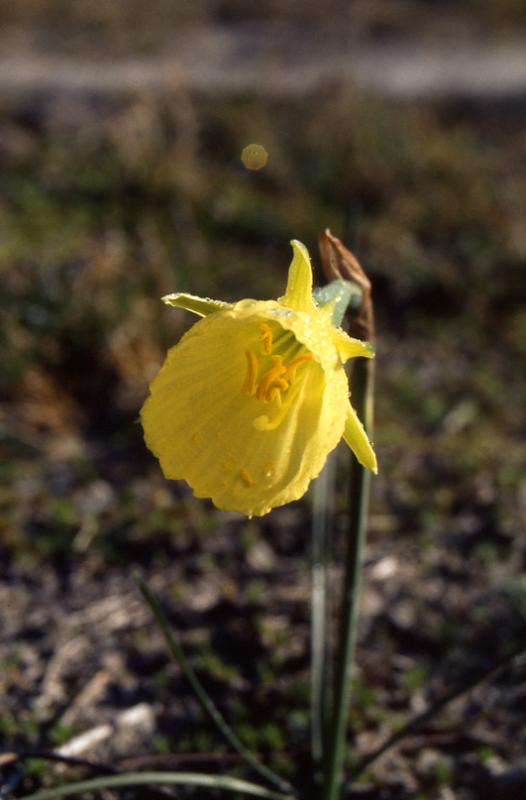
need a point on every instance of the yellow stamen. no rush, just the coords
(266, 338)
(270, 379)
(246, 477)
(290, 372)
(278, 379)
(263, 423)
(250, 384)
(274, 393)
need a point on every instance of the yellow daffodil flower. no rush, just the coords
(249, 404)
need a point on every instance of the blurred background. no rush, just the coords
(398, 124)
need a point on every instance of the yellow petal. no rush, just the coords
(199, 420)
(298, 294)
(202, 306)
(357, 439)
(348, 347)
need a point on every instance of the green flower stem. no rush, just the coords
(362, 388)
(159, 778)
(421, 719)
(178, 655)
(339, 296)
(320, 665)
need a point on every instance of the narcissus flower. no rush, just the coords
(254, 397)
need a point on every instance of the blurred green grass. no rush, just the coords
(101, 215)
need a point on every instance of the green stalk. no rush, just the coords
(362, 388)
(338, 295)
(177, 653)
(320, 674)
(158, 778)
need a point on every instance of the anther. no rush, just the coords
(290, 372)
(266, 338)
(270, 379)
(264, 423)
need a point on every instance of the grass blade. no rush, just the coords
(208, 705)
(362, 385)
(159, 778)
(320, 667)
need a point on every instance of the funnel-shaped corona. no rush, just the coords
(249, 404)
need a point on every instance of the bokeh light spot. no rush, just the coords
(254, 156)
